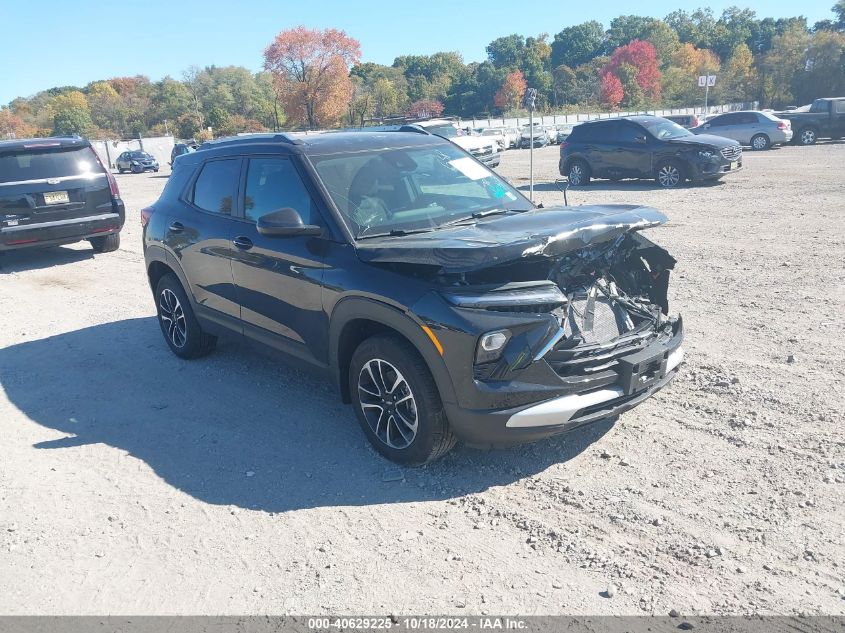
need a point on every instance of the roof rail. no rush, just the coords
(404, 127)
(258, 137)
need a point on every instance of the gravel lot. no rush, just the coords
(135, 483)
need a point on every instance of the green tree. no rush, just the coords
(576, 45)
(72, 115)
(739, 77)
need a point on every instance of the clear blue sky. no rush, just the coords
(55, 42)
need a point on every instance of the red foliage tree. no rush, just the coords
(311, 73)
(425, 109)
(510, 94)
(611, 90)
(642, 56)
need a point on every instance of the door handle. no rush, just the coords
(243, 243)
(176, 227)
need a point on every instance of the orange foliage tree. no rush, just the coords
(311, 73)
(510, 94)
(611, 90)
(13, 126)
(643, 57)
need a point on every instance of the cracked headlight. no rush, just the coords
(706, 154)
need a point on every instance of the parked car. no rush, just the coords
(685, 120)
(483, 149)
(56, 191)
(498, 134)
(179, 149)
(551, 131)
(136, 161)
(442, 303)
(759, 130)
(512, 134)
(824, 118)
(536, 136)
(563, 132)
(645, 147)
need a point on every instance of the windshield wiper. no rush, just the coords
(477, 216)
(393, 233)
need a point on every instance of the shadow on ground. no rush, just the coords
(36, 258)
(203, 425)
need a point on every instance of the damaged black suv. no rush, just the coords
(442, 302)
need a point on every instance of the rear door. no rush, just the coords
(838, 118)
(199, 233)
(51, 181)
(598, 144)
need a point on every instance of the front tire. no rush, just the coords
(397, 403)
(807, 136)
(670, 174)
(105, 243)
(578, 173)
(180, 327)
(760, 142)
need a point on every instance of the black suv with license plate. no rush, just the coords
(440, 300)
(56, 191)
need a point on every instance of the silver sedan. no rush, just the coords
(758, 130)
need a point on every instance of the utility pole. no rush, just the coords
(529, 100)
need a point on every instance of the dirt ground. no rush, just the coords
(132, 482)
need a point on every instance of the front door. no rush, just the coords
(200, 235)
(629, 155)
(279, 279)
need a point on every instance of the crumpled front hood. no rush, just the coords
(499, 239)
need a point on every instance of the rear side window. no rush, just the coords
(273, 184)
(38, 164)
(840, 107)
(217, 185)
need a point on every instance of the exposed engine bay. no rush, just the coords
(600, 293)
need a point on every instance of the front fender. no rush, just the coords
(350, 308)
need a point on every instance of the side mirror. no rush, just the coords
(641, 139)
(285, 223)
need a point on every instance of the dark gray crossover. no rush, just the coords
(442, 302)
(57, 191)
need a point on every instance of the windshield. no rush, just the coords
(663, 128)
(413, 189)
(444, 131)
(138, 155)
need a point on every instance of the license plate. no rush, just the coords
(56, 197)
(734, 165)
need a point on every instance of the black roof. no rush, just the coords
(317, 144)
(36, 143)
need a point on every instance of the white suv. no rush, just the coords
(484, 148)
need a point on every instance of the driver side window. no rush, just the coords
(273, 184)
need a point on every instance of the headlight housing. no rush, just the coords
(491, 345)
(706, 154)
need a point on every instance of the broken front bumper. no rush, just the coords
(634, 377)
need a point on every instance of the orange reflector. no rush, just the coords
(433, 338)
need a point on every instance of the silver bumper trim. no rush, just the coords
(560, 410)
(47, 225)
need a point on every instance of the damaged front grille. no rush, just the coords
(731, 153)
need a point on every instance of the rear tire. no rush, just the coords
(397, 403)
(670, 174)
(808, 136)
(760, 142)
(105, 243)
(578, 173)
(180, 327)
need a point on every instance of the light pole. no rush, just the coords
(529, 100)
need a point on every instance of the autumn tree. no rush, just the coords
(611, 90)
(642, 57)
(425, 109)
(311, 73)
(13, 126)
(510, 94)
(72, 115)
(739, 77)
